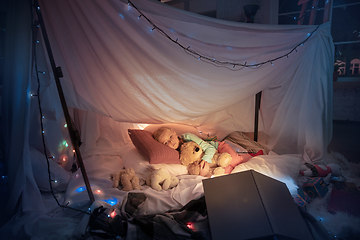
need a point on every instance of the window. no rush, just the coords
(345, 30)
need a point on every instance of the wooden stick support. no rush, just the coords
(257, 108)
(57, 74)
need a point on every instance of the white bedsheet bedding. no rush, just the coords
(98, 167)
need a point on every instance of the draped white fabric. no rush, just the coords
(116, 64)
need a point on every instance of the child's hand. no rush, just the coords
(204, 168)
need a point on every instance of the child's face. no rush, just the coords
(204, 168)
(169, 138)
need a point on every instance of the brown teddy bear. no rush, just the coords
(126, 178)
(190, 156)
(190, 152)
(161, 179)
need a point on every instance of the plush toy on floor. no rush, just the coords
(161, 179)
(190, 156)
(126, 178)
(311, 170)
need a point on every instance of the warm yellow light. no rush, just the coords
(142, 126)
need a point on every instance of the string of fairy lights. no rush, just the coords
(234, 66)
(42, 117)
(111, 231)
(187, 49)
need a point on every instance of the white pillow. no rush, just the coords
(132, 158)
(41, 175)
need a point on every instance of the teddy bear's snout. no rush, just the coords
(197, 149)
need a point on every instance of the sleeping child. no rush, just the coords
(169, 137)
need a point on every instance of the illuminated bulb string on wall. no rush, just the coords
(229, 65)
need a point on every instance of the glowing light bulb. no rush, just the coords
(64, 143)
(190, 225)
(65, 125)
(80, 189)
(113, 214)
(64, 159)
(112, 201)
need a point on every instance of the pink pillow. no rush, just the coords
(152, 150)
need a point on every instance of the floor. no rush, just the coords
(345, 141)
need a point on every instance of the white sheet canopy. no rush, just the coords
(116, 63)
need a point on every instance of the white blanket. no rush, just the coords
(281, 167)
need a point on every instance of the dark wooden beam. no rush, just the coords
(57, 74)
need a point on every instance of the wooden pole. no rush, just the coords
(257, 108)
(57, 74)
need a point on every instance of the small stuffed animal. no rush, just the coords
(161, 179)
(311, 170)
(126, 178)
(190, 156)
